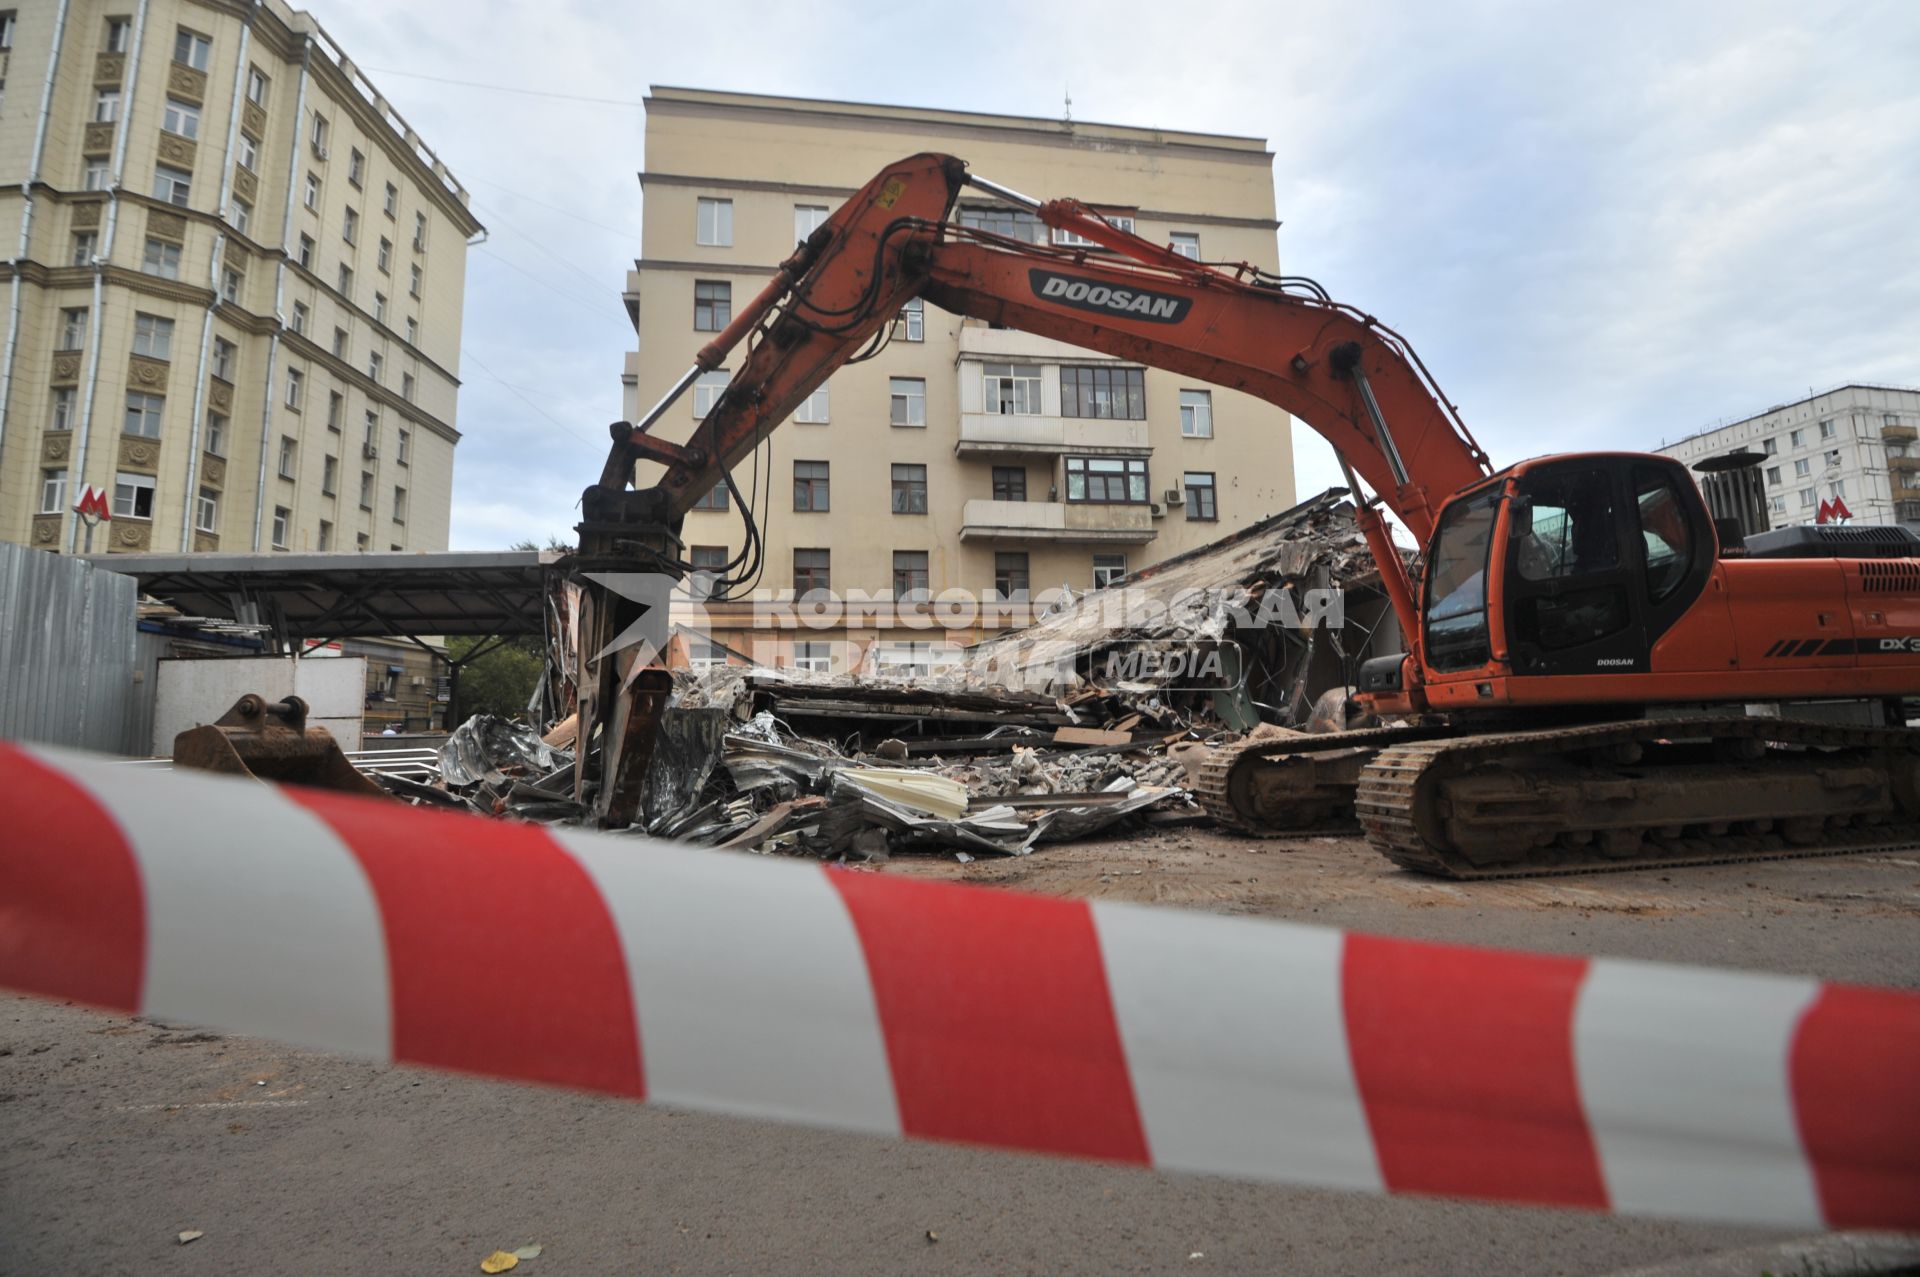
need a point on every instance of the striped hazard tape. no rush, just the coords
(882, 1004)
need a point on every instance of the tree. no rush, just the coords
(498, 682)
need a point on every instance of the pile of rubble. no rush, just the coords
(1038, 736)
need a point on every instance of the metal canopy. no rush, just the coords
(305, 597)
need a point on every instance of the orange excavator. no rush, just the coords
(1596, 675)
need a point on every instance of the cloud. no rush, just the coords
(1600, 225)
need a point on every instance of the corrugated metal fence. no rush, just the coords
(67, 652)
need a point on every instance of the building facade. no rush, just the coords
(1859, 444)
(962, 457)
(236, 288)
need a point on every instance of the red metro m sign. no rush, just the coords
(1834, 511)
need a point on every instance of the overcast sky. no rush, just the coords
(1602, 225)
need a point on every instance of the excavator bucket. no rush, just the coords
(271, 741)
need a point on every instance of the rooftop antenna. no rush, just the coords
(1069, 114)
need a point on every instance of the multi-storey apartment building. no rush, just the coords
(961, 457)
(235, 288)
(1854, 442)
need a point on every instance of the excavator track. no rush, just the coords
(1642, 794)
(1277, 787)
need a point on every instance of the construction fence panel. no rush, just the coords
(67, 652)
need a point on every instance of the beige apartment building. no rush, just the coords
(235, 291)
(962, 458)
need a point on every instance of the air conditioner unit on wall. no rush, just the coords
(368, 451)
(1159, 509)
(1173, 496)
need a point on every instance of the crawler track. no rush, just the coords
(1639, 795)
(1278, 787)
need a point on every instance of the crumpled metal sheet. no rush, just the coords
(689, 748)
(483, 747)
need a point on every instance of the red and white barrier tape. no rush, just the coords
(882, 1004)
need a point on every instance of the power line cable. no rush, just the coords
(548, 284)
(506, 88)
(467, 354)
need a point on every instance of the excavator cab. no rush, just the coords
(1567, 566)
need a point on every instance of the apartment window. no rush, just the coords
(306, 251)
(1833, 458)
(1889, 419)
(812, 572)
(391, 206)
(413, 282)
(301, 314)
(106, 106)
(346, 281)
(909, 401)
(319, 135)
(909, 489)
(406, 386)
(419, 232)
(909, 575)
(1773, 476)
(1185, 243)
(713, 222)
(1070, 239)
(1837, 489)
(288, 456)
(224, 354)
(85, 245)
(295, 381)
(366, 489)
(1770, 446)
(329, 475)
(814, 656)
(119, 34)
(1201, 503)
(256, 86)
(336, 410)
(707, 390)
(73, 328)
(361, 541)
(231, 282)
(6, 29)
(380, 308)
(242, 216)
(133, 496)
(399, 505)
(403, 447)
(807, 218)
(281, 518)
(1012, 389)
(1107, 480)
(384, 258)
(152, 336)
(172, 185)
(1826, 429)
(249, 153)
(1108, 569)
(350, 225)
(815, 409)
(339, 343)
(206, 516)
(1101, 392)
(1009, 483)
(182, 118)
(53, 491)
(1801, 468)
(1010, 576)
(324, 540)
(413, 332)
(1806, 497)
(1797, 438)
(216, 437)
(313, 191)
(191, 48)
(95, 178)
(61, 416)
(911, 323)
(1779, 505)
(356, 166)
(1013, 223)
(715, 498)
(810, 486)
(711, 559)
(369, 445)
(712, 305)
(1196, 414)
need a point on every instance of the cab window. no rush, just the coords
(1663, 531)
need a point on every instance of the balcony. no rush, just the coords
(1900, 434)
(1082, 522)
(998, 435)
